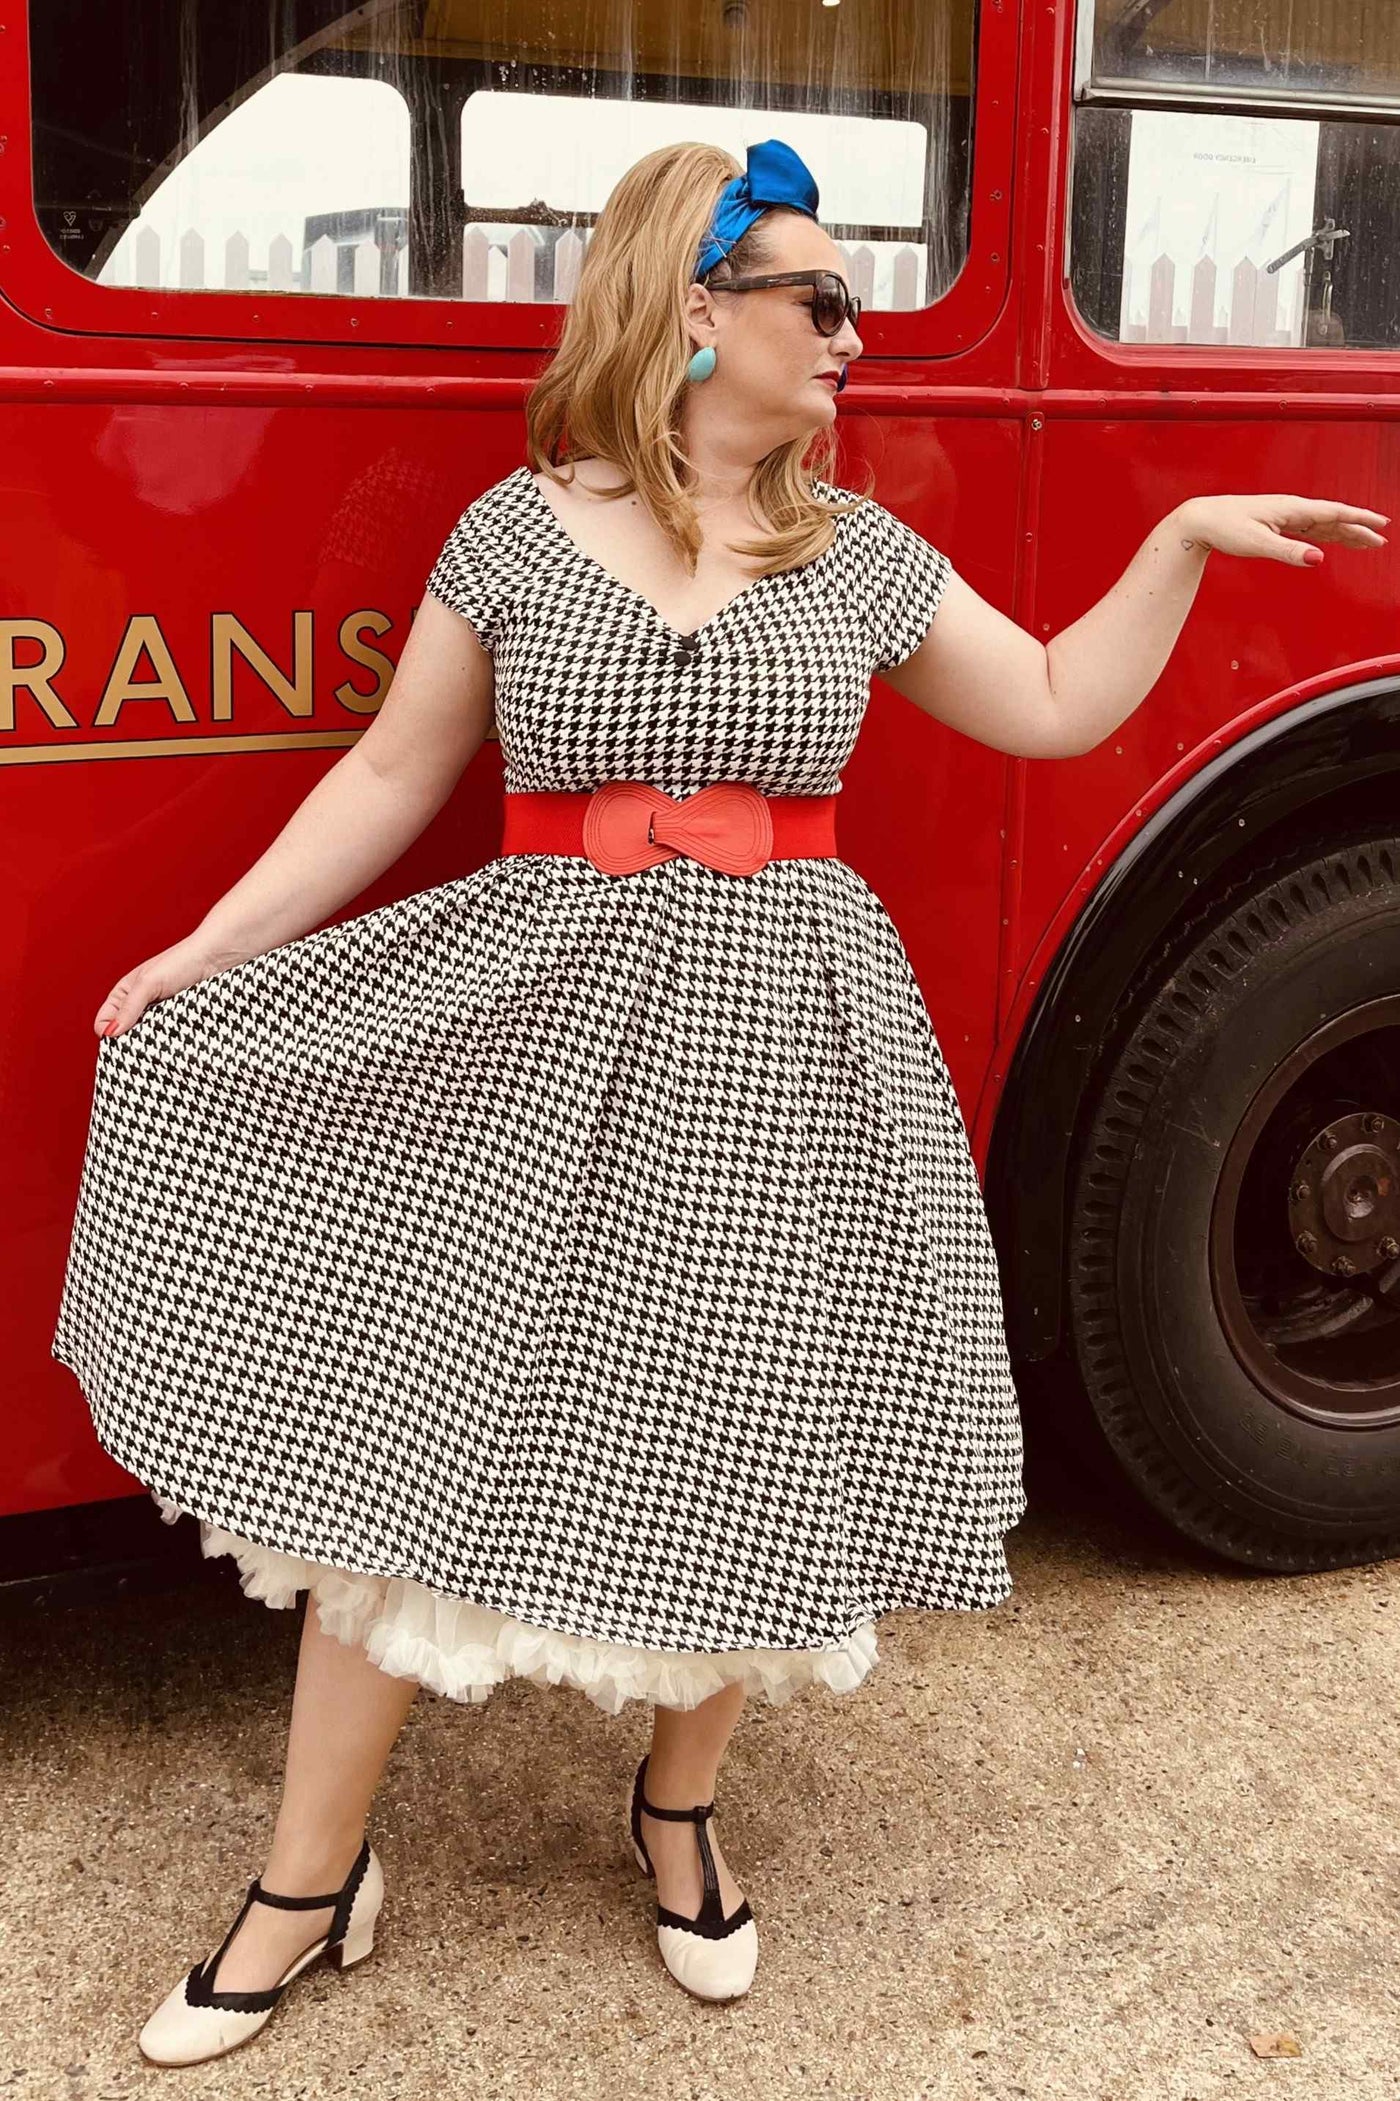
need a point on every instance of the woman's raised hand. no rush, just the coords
(1278, 528)
(186, 963)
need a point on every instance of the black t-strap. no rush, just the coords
(697, 1816)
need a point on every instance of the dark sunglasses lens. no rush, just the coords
(828, 304)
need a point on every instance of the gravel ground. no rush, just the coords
(1109, 1842)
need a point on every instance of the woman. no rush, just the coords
(579, 1269)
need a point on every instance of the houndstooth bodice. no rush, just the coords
(592, 684)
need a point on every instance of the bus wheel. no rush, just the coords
(1233, 1254)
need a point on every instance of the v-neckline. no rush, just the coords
(685, 638)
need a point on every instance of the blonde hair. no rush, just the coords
(614, 387)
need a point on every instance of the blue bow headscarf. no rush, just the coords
(775, 175)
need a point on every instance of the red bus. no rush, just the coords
(273, 286)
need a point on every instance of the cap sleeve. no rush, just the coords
(473, 573)
(903, 581)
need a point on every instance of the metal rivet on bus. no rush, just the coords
(1036, 422)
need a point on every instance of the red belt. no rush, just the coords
(628, 825)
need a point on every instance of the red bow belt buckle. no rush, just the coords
(629, 825)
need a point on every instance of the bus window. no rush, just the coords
(274, 197)
(1232, 183)
(873, 174)
(1338, 50)
(462, 149)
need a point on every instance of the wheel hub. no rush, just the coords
(1305, 1232)
(1344, 1195)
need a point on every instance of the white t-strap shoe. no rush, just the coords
(194, 2021)
(712, 1956)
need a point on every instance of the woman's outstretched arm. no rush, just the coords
(983, 674)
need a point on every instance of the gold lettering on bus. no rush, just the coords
(143, 632)
(33, 677)
(227, 633)
(373, 660)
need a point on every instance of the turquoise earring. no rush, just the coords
(702, 364)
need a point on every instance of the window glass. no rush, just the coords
(1221, 226)
(1340, 49)
(463, 148)
(1181, 222)
(302, 188)
(871, 172)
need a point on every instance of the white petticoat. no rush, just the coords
(464, 1650)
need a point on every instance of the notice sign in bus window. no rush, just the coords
(1212, 201)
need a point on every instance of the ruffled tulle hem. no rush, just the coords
(464, 1650)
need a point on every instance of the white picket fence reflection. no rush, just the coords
(518, 267)
(186, 265)
(1252, 313)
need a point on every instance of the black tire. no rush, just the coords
(1218, 1357)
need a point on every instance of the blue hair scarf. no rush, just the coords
(775, 175)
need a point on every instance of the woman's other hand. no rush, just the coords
(187, 963)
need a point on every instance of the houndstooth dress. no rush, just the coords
(566, 1275)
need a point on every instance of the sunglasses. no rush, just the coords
(832, 301)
